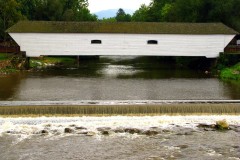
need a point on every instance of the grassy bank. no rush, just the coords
(232, 73)
(45, 62)
(3, 56)
(171, 109)
(8, 64)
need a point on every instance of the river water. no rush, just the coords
(175, 137)
(117, 78)
(98, 138)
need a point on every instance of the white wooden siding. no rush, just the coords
(36, 44)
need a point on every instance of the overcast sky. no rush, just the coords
(99, 5)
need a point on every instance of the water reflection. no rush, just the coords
(8, 86)
(232, 89)
(116, 78)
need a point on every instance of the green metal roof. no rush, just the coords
(120, 27)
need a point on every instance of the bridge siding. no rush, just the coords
(36, 44)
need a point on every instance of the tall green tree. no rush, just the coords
(225, 11)
(50, 10)
(28, 8)
(141, 15)
(9, 14)
(57, 10)
(159, 9)
(121, 16)
(77, 10)
(111, 19)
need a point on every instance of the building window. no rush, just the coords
(96, 42)
(152, 42)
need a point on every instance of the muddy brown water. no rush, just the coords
(117, 78)
(178, 137)
(109, 79)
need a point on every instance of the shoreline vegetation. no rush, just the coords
(123, 110)
(231, 73)
(11, 63)
(225, 69)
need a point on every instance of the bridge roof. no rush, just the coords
(120, 27)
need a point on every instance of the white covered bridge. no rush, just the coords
(40, 38)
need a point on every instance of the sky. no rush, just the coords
(99, 5)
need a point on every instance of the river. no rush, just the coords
(176, 137)
(117, 78)
(111, 79)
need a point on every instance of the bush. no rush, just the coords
(231, 73)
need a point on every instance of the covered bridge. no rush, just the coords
(40, 38)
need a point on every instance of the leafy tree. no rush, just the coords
(121, 16)
(77, 10)
(57, 10)
(141, 14)
(185, 11)
(111, 19)
(225, 11)
(9, 14)
(49, 10)
(84, 15)
(158, 10)
(28, 8)
(68, 15)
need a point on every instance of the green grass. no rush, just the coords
(64, 60)
(3, 56)
(231, 73)
(171, 109)
(56, 61)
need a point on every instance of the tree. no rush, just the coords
(62, 10)
(68, 15)
(49, 10)
(77, 10)
(225, 11)
(159, 10)
(121, 16)
(28, 8)
(184, 11)
(111, 19)
(9, 14)
(141, 14)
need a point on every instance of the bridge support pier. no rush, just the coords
(26, 60)
(78, 61)
(27, 63)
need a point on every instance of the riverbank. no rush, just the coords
(10, 63)
(52, 62)
(231, 73)
(5, 64)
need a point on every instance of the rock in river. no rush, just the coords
(68, 130)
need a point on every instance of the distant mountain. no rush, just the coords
(111, 13)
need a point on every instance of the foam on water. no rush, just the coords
(29, 126)
(179, 136)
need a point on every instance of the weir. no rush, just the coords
(185, 108)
